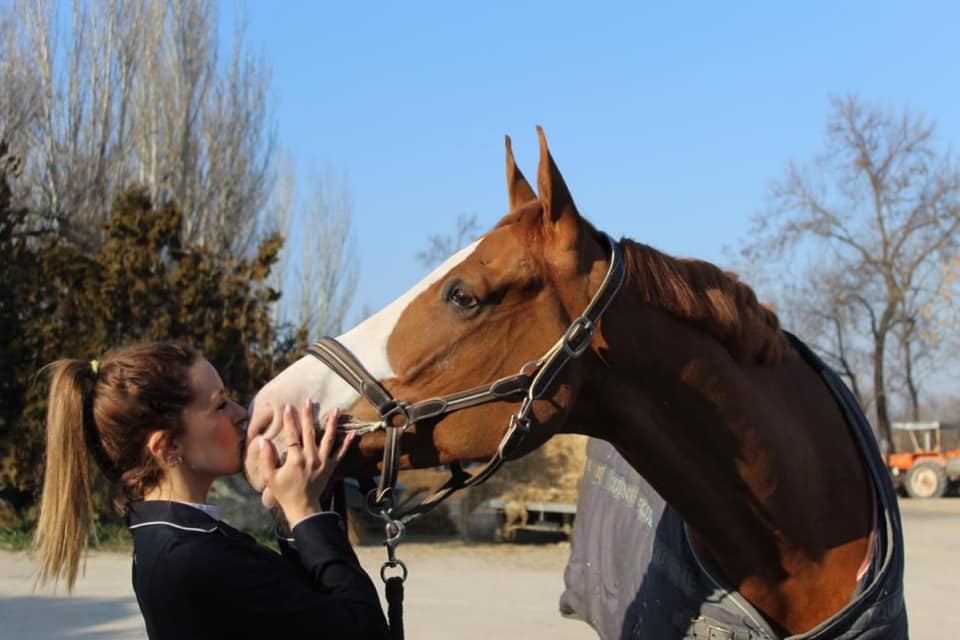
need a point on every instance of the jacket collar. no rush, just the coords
(149, 513)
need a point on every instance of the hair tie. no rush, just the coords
(92, 437)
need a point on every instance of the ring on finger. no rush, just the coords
(283, 456)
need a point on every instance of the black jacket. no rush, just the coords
(196, 577)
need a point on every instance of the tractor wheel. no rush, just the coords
(925, 480)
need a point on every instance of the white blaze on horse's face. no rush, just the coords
(309, 378)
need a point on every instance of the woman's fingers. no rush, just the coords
(329, 435)
(308, 434)
(345, 447)
(268, 458)
(267, 499)
(292, 451)
(291, 425)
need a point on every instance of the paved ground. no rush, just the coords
(470, 592)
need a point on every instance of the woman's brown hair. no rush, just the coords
(105, 410)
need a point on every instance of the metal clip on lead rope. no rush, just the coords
(394, 531)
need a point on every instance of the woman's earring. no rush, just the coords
(173, 462)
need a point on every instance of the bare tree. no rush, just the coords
(72, 119)
(926, 335)
(820, 310)
(102, 94)
(442, 246)
(131, 91)
(19, 85)
(318, 265)
(279, 210)
(881, 210)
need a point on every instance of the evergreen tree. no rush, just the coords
(143, 284)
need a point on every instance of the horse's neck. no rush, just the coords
(687, 427)
(756, 459)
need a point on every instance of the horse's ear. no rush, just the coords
(518, 188)
(557, 202)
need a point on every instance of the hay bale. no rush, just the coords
(548, 474)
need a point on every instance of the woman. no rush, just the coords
(158, 422)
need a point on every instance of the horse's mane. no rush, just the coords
(711, 299)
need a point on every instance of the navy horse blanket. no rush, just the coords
(633, 573)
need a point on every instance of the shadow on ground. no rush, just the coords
(77, 618)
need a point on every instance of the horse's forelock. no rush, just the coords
(525, 214)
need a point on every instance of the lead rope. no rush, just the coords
(394, 531)
(394, 589)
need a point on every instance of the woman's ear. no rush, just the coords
(163, 450)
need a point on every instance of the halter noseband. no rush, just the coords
(532, 382)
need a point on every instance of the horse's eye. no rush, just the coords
(462, 298)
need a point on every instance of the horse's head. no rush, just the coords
(483, 314)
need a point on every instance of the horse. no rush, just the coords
(553, 327)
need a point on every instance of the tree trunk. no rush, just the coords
(880, 391)
(911, 384)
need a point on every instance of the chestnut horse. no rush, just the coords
(687, 376)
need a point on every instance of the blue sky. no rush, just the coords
(668, 121)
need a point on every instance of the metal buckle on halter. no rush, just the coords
(399, 408)
(578, 336)
(517, 430)
(519, 424)
(520, 427)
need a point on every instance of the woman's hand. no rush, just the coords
(302, 478)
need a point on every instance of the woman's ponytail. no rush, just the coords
(104, 411)
(66, 505)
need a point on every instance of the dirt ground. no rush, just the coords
(464, 591)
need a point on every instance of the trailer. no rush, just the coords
(517, 521)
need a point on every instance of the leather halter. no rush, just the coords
(532, 382)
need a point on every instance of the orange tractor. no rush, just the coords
(927, 458)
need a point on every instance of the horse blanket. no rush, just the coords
(633, 573)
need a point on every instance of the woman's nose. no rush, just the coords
(241, 416)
